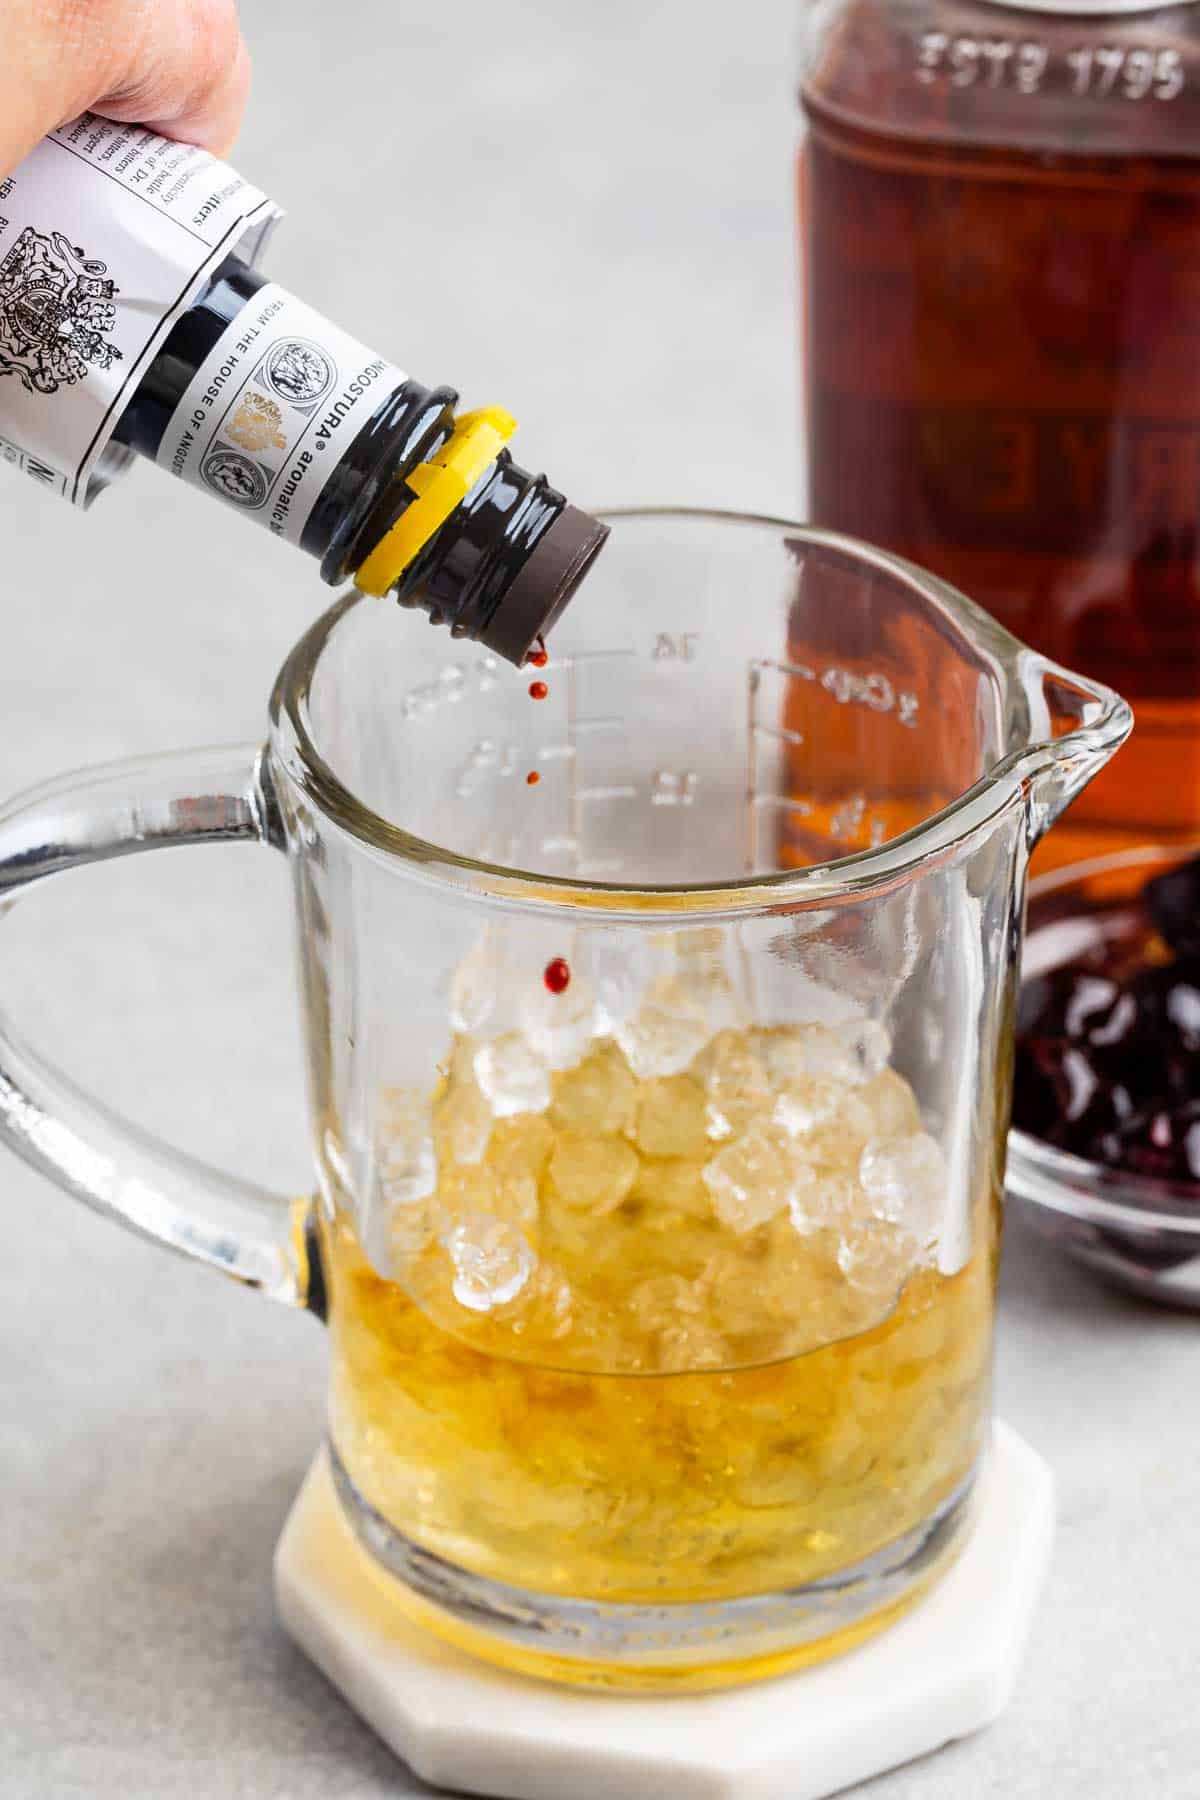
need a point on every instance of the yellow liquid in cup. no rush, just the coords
(610, 1366)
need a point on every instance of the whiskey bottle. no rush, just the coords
(1000, 220)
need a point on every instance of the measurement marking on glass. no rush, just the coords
(603, 723)
(674, 787)
(873, 690)
(847, 821)
(781, 803)
(759, 803)
(801, 670)
(607, 793)
(589, 725)
(780, 733)
(574, 810)
(671, 646)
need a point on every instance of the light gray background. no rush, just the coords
(583, 211)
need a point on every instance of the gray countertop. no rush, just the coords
(585, 204)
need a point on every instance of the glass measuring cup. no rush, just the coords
(658, 1107)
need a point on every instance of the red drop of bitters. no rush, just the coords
(538, 690)
(532, 779)
(539, 657)
(558, 975)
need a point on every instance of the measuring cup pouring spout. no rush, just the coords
(1071, 728)
(1016, 726)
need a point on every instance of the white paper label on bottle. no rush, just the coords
(273, 408)
(107, 234)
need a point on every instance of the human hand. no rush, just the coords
(180, 66)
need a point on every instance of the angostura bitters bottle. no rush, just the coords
(133, 321)
(1000, 209)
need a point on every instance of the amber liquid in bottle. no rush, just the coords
(1002, 319)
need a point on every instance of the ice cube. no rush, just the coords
(407, 1158)
(869, 1046)
(461, 1191)
(671, 1117)
(666, 1033)
(462, 1122)
(892, 1105)
(905, 1182)
(620, 965)
(560, 1027)
(828, 1123)
(689, 1344)
(593, 1174)
(552, 1296)
(800, 1052)
(597, 1095)
(807, 1104)
(475, 989)
(877, 1258)
(513, 1076)
(520, 1147)
(466, 1192)
(750, 1180)
(406, 1233)
(492, 1262)
(823, 1202)
(735, 1081)
(673, 1185)
(700, 973)
(663, 1300)
(518, 1203)
(732, 1286)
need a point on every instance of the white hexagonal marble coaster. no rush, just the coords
(944, 1670)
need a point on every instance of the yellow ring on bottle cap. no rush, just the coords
(440, 485)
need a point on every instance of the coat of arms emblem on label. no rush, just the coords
(299, 370)
(56, 311)
(257, 424)
(237, 477)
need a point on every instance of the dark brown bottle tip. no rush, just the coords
(539, 594)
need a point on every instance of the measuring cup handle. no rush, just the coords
(197, 797)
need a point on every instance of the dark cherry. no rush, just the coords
(1162, 1058)
(1044, 1003)
(1173, 902)
(1163, 1143)
(1075, 1002)
(1108, 1047)
(1037, 1088)
(1060, 1096)
(1182, 1004)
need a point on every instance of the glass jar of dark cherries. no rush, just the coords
(1108, 1042)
